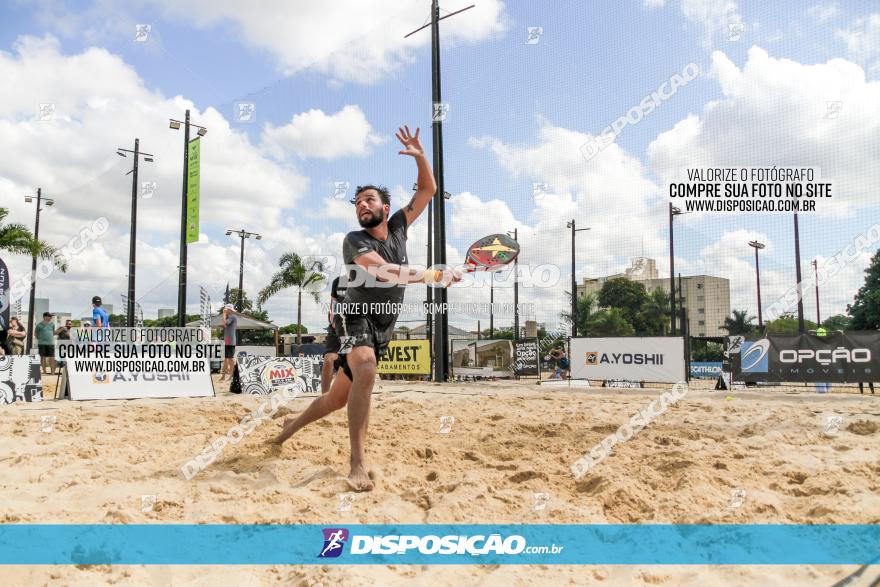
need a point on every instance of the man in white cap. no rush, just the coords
(230, 323)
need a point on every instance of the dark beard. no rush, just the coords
(373, 221)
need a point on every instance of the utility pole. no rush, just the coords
(515, 291)
(181, 275)
(815, 265)
(574, 309)
(441, 325)
(673, 212)
(242, 234)
(758, 246)
(132, 239)
(797, 266)
(30, 328)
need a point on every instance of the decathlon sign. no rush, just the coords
(841, 357)
(658, 358)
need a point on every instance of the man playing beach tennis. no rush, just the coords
(375, 260)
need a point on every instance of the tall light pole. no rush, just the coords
(242, 234)
(181, 275)
(574, 308)
(797, 268)
(30, 328)
(758, 246)
(673, 212)
(441, 340)
(132, 239)
(515, 289)
(815, 264)
(491, 306)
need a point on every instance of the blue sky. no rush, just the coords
(511, 103)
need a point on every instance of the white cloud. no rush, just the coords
(316, 134)
(348, 39)
(863, 41)
(713, 16)
(822, 13)
(774, 112)
(654, 3)
(101, 103)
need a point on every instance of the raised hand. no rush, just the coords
(411, 143)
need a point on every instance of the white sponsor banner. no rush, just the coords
(255, 351)
(135, 363)
(657, 359)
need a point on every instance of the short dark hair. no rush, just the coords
(383, 192)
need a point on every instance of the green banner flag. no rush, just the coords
(192, 192)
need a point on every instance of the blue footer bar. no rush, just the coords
(643, 544)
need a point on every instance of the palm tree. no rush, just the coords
(586, 307)
(298, 273)
(740, 323)
(18, 240)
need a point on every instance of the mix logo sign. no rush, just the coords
(278, 373)
(754, 356)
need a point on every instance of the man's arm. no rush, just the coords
(426, 187)
(375, 265)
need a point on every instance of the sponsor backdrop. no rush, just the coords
(407, 357)
(705, 369)
(20, 379)
(134, 363)
(658, 359)
(840, 357)
(525, 357)
(265, 375)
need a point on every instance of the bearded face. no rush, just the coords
(370, 209)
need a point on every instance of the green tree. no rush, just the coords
(18, 240)
(865, 309)
(609, 322)
(295, 272)
(653, 319)
(586, 306)
(293, 329)
(246, 304)
(787, 324)
(740, 323)
(626, 295)
(167, 321)
(703, 350)
(837, 322)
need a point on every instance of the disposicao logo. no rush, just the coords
(753, 356)
(334, 542)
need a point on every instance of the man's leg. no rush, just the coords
(362, 362)
(327, 372)
(320, 407)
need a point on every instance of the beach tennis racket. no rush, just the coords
(491, 253)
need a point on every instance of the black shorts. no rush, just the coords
(46, 350)
(367, 331)
(331, 344)
(229, 351)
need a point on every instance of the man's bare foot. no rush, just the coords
(359, 478)
(281, 438)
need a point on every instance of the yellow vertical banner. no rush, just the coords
(193, 191)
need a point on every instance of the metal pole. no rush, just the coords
(515, 292)
(181, 282)
(240, 303)
(30, 328)
(429, 315)
(441, 365)
(816, 276)
(129, 310)
(574, 309)
(671, 270)
(797, 265)
(758, 278)
(491, 303)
